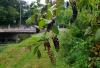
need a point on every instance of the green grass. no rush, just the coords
(19, 56)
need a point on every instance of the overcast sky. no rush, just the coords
(30, 1)
(42, 1)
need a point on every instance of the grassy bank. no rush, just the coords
(19, 55)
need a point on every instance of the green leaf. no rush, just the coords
(30, 20)
(49, 14)
(55, 29)
(53, 9)
(88, 31)
(36, 49)
(97, 35)
(42, 23)
(38, 54)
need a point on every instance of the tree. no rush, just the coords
(24, 7)
(8, 12)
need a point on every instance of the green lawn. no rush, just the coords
(20, 56)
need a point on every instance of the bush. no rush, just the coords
(76, 48)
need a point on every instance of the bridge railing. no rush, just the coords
(15, 27)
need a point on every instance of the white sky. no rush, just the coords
(42, 1)
(30, 1)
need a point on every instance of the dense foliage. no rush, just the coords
(81, 19)
(10, 11)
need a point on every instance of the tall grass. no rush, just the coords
(20, 56)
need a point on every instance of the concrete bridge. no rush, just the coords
(11, 34)
(18, 30)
